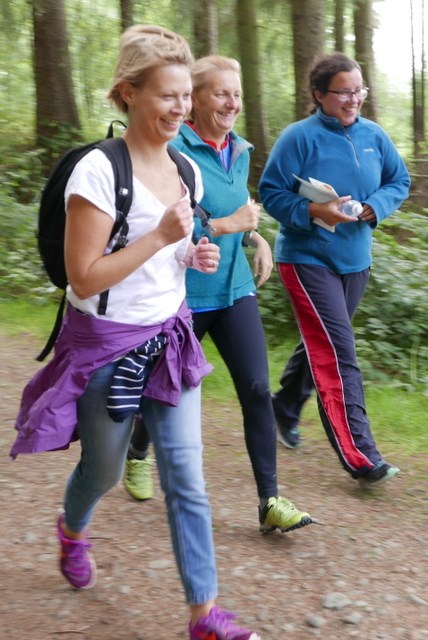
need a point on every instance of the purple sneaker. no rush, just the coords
(76, 563)
(218, 625)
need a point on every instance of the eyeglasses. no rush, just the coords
(346, 94)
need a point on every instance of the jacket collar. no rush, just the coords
(194, 140)
(332, 122)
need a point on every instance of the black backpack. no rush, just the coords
(51, 221)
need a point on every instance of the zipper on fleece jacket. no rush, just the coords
(348, 137)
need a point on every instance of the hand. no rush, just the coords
(206, 256)
(246, 218)
(368, 214)
(329, 212)
(176, 223)
(262, 260)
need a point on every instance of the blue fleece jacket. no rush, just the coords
(359, 160)
(224, 192)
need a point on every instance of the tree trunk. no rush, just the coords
(255, 122)
(308, 43)
(418, 86)
(57, 120)
(364, 52)
(339, 25)
(126, 13)
(205, 28)
(420, 171)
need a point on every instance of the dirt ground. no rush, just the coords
(361, 573)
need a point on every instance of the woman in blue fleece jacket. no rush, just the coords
(325, 273)
(225, 305)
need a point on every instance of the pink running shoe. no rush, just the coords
(218, 625)
(76, 563)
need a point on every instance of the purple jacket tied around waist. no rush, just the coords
(47, 417)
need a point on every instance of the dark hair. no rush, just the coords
(324, 69)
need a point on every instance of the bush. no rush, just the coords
(21, 272)
(21, 176)
(391, 323)
(275, 307)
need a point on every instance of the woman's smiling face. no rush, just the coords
(162, 102)
(345, 111)
(217, 104)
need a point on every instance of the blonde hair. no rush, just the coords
(203, 68)
(142, 48)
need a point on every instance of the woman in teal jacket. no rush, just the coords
(225, 305)
(325, 272)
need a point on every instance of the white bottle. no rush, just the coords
(351, 208)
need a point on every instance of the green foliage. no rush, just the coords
(391, 324)
(277, 70)
(276, 311)
(398, 418)
(59, 138)
(20, 173)
(17, 103)
(21, 273)
(275, 307)
(94, 29)
(25, 315)
(93, 47)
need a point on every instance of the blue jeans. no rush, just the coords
(176, 436)
(237, 332)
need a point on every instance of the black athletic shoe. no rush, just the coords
(287, 436)
(380, 473)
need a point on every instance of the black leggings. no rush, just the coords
(238, 334)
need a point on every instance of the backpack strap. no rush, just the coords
(187, 174)
(185, 171)
(110, 130)
(117, 152)
(55, 330)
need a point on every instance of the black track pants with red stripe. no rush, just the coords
(324, 303)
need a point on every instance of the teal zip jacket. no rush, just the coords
(359, 160)
(224, 192)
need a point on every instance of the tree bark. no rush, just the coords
(339, 25)
(364, 52)
(57, 119)
(418, 85)
(255, 121)
(420, 173)
(126, 13)
(205, 28)
(308, 41)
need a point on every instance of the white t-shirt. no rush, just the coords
(155, 291)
